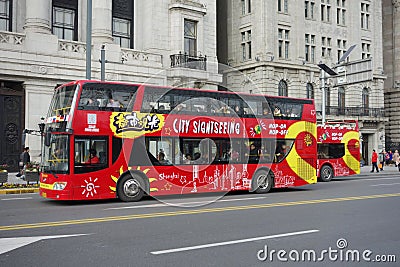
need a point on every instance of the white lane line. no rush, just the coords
(383, 184)
(8, 244)
(16, 198)
(159, 252)
(184, 203)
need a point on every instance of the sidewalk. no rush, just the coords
(366, 170)
(14, 180)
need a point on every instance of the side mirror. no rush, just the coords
(47, 139)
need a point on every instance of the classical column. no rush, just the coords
(38, 14)
(396, 43)
(102, 16)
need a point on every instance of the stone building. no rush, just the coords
(278, 44)
(391, 60)
(43, 44)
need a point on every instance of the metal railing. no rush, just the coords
(355, 111)
(187, 61)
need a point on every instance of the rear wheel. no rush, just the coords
(130, 188)
(261, 182)
(326, 173)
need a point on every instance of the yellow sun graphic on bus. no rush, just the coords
(308, 140)
(121, 171)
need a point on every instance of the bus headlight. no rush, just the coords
(59, 185)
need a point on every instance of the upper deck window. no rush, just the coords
(193, 102)
(108, 97)
(62, 101)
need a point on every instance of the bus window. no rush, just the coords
(331, 151)
(108, 97)
(90, 154)
(283, 148)
(56, 154)
(159, 150)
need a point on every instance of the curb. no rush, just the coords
(18, 191)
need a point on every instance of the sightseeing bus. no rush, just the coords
(338, 149)
(118, 140)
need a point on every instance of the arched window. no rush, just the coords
(341, 100)
(310, 91)
(282, 88)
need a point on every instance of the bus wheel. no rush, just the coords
(130, 188)
(261, 182)
(326, 173)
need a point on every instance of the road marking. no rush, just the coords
(16, 198)
(210, 245)
(383, 184)
(184, 204)
(8, 244)
(189, 212)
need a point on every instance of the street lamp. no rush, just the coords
(324, 68)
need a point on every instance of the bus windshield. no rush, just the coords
(62, 101)
(56, 156)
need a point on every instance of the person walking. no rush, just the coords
(381, 158)
(374, 160)
(396, 158)
(21, 163)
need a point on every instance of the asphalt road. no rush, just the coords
(326, 224)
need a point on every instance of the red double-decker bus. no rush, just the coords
(338, 149)
(108, 139)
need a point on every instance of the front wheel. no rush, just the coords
(130, 188)
(262, 182)
(326, 173)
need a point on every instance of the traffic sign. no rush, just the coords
(354, 72)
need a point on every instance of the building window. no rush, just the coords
(283, 43)
(341, 100)
(283, 6)
(341, 12)
(190, 36)
(309, 7)
(122, 32)
(310, 48)
(326, 47)
(282, 88)
(246, 45)
(365, 99)
(328, 96)
(310, 91)
(326, 10)
(246, 6)
(365, 50)
(5, 15)
(122, 23)
(341, 48)
(65, 19)
(365, 16)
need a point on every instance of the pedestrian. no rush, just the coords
(396, 158)
(389, 157)
(26, 158)
(382, 157)
(374, 160)
(21, 162)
